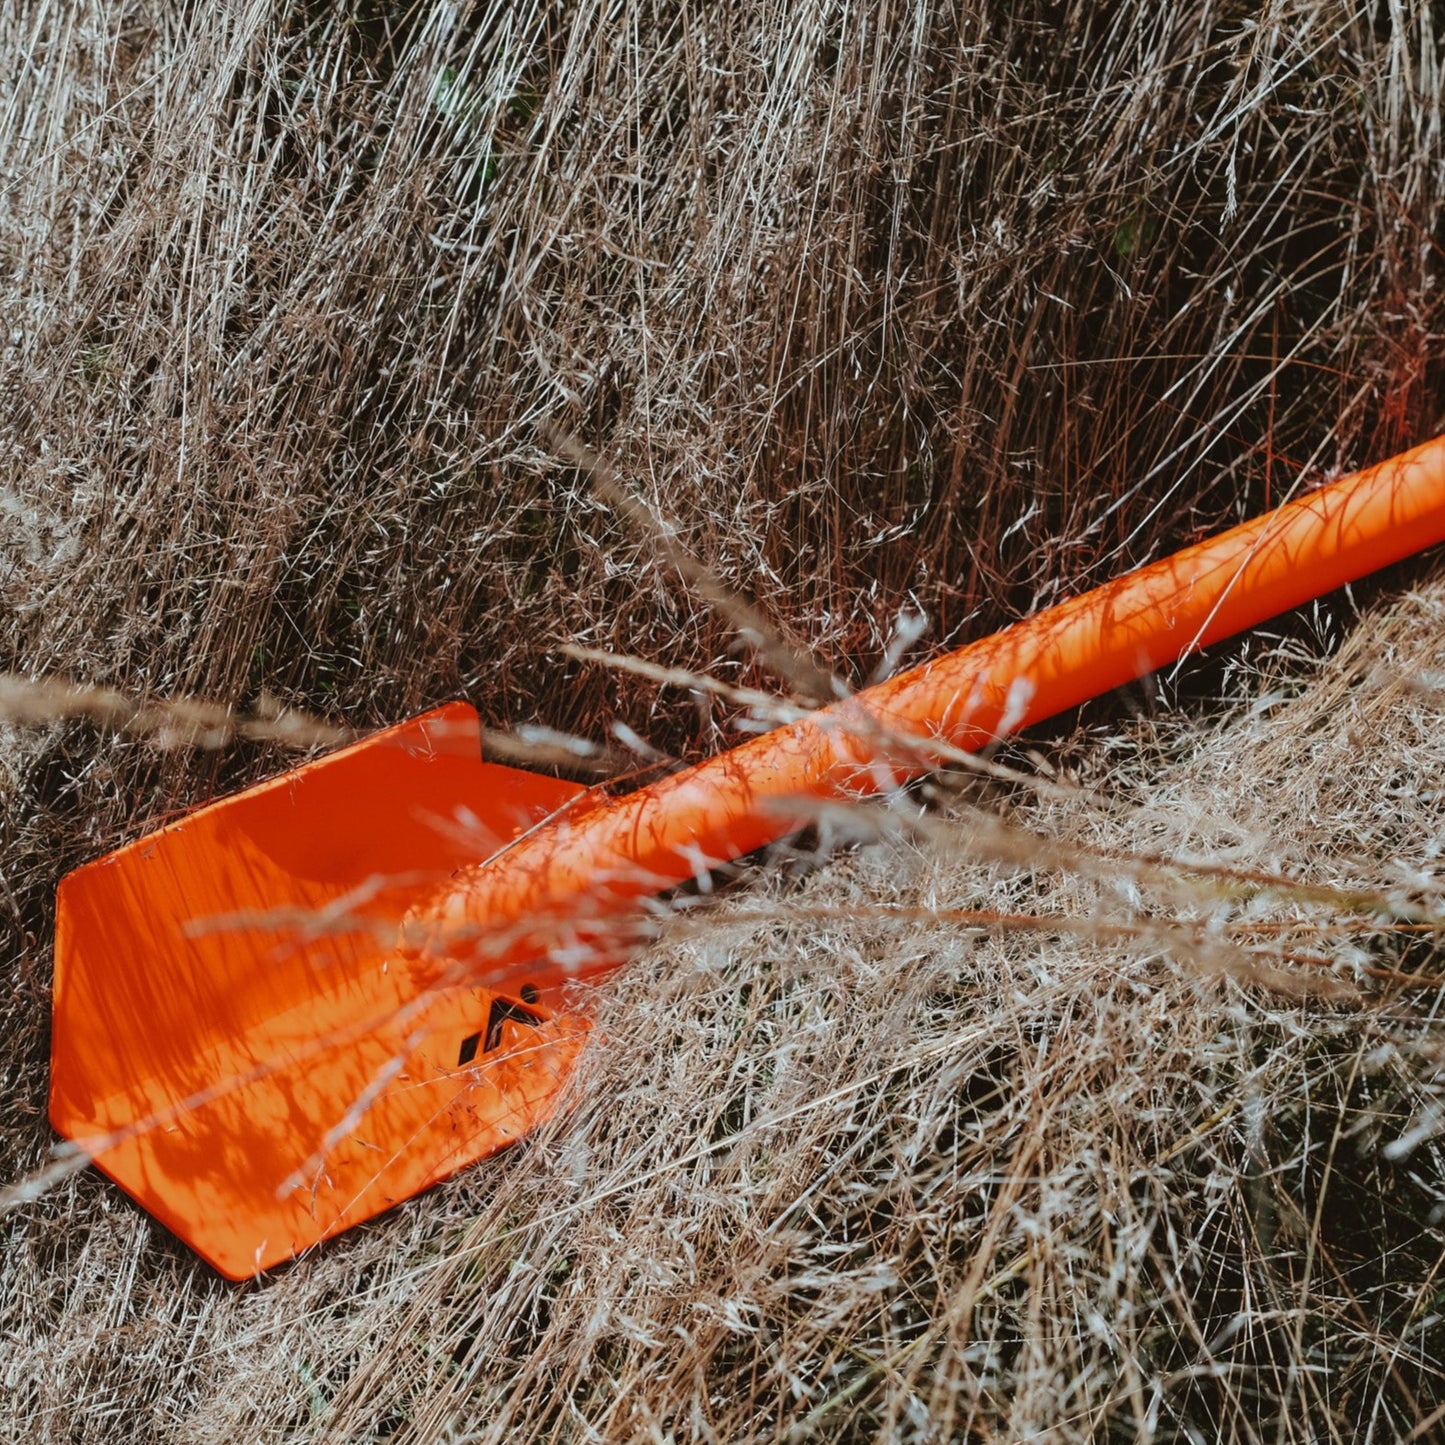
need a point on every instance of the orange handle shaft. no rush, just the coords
(551, 894)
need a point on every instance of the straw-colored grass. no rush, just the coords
(1104, 1102)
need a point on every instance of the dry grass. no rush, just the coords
(846, 1165)
(887, 309)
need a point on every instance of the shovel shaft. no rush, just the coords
(557, 892)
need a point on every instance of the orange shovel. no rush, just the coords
(250, 1045)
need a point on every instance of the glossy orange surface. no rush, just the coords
(260, 1082)
(578, 884)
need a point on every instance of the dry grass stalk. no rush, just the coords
(173, 724)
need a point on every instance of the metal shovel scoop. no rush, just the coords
(259, 1084)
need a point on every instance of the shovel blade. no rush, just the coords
(237, 1041)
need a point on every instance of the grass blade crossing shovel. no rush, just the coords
(259, 1089)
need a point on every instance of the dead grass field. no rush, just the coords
(890, 310)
